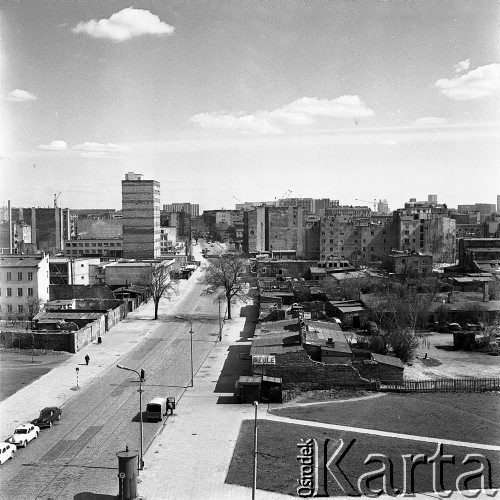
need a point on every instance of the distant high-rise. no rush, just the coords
(141, 217)
(193, 209)
(432, 198)
(382, 207)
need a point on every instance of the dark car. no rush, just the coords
(47, 417)
(450, 328)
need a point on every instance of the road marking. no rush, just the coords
(360, 430)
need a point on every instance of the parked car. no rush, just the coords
(24, 434)
(47, 417)
(449, 328)
(7, 451)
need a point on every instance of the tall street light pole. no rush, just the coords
(254, 484)
(140, 465)
(191, 336)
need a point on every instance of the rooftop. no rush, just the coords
(20, 260)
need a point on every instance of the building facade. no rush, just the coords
(141, 217)
(24, 284)
(94, 247)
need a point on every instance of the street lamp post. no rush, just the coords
(191, 336)
(77, 372)
(140, 465)
(254, 484)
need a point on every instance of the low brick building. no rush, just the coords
(409, 263)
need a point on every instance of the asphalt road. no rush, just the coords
(78, 455)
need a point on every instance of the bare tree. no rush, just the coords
(159, 284)
(33, 307)
(224, 276)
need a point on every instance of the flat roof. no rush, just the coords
(67, 314)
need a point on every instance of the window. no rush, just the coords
(9, 308)
(30, 292)
(9, 292)
(30, 276)
(20, 308)
(19, 292)
(9, 276)
(19, 276)
(87, 244)
(75, 244)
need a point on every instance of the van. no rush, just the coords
(156, 409)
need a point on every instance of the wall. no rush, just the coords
(65, 341)
(298, 370)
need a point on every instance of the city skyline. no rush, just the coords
(242, 101)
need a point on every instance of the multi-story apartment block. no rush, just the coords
(141, 217)
(190, 208)
(108, 248)
(24, 284)
(180, 220)
(359, 241)
(254, 232)
(484, 209)
(308, 204)
(349, 212)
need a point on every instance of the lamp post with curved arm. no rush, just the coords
(140, 465)
(191, 336)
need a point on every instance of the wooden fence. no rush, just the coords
(443, 385)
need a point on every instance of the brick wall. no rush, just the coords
(54, 341)
(298, 370)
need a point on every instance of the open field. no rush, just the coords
(17, 369)
(470, 417)
(279, 469)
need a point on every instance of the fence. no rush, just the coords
(443, 385)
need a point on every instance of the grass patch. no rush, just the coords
(279, 470)
(472, 417)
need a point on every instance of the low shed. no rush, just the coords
(389, 368)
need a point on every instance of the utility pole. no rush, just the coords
(254, 485)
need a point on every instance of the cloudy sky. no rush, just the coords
(223, 101)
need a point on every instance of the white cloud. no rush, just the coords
(125, 24)
(462, 66)
(429, 121)
(19, 95)
(97, 150)
(484, 81)
(54, 146)
(389, 142)
(257, 124)
(303, 111)
(346, 106)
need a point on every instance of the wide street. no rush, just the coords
(79, 453)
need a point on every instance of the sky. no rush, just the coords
(231, 101)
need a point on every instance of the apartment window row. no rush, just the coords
(29, 276)
(20, 309)
(20, 292)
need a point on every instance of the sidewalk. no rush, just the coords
(191, 457)
(58, 386)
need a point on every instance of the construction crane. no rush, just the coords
(56, 197)
(374, 203)
(285, 195)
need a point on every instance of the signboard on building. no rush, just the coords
(307, 315)
(263, 360)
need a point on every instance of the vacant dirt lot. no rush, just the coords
(444, 362)
(17, 370)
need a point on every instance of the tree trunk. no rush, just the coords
(228, 299)
(157, 302)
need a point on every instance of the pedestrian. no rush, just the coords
(87, 359)
(170, 407)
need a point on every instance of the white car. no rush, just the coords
(7, 451)
(24, 434)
